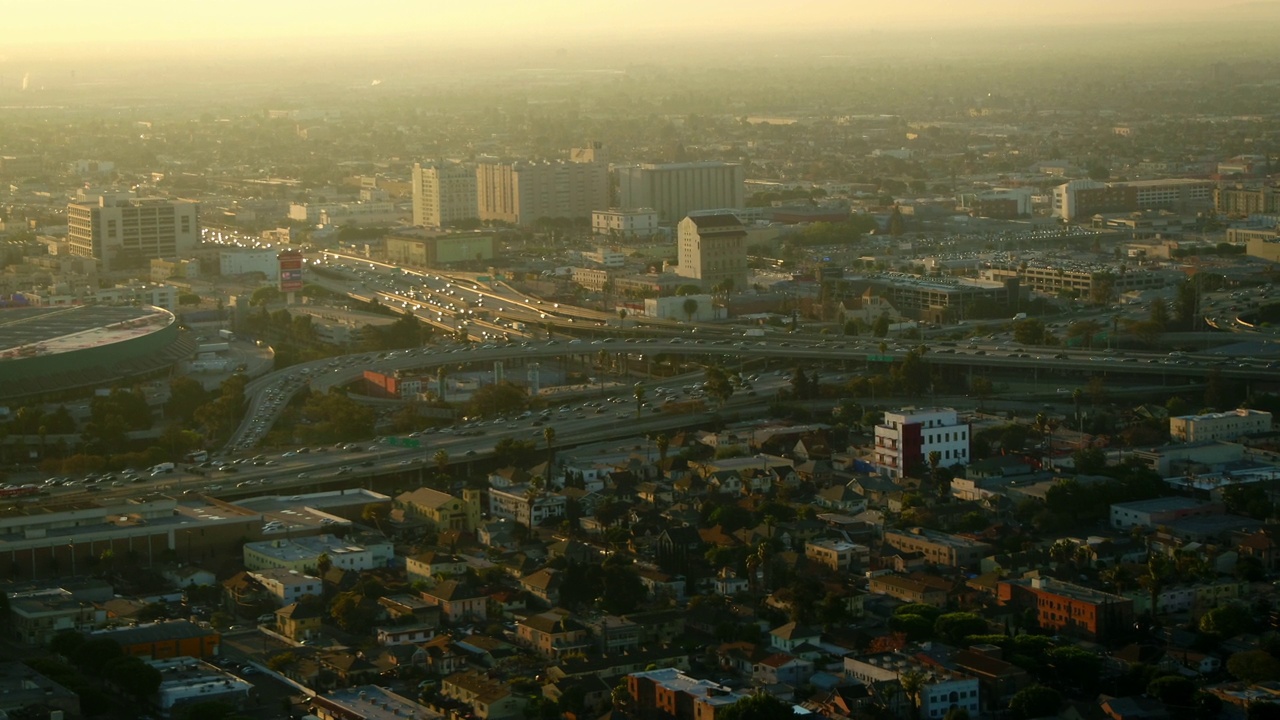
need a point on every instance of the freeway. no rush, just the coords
(269, 394)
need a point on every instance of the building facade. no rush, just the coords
(1067, 608)
(444, 193)
(674, 190)
(432, 249)
(712, 249)
(1245, 200)
(937, 547)
(120, 231)
(641, 222)
(1085, 198)
(904, 441)
(1228, 425)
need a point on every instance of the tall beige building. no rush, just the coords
(677, 189)
(121, 231)
(713, 249)
(444, 193)
(523, 192)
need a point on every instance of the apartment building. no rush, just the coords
(522, 193)
(1067, 608)
(288, 586)
(303, 554)
(1244, 200)
(838, 555)
(674, 190)
(519, 504)
(1085, 198)
(640, 222)
(937, 547)
(489, 699)
(907, 590)
(669, 694)
(905, 439)
(1229, 425)
(941, 690)
(552, 634)
(443, 193)
(1160, 511)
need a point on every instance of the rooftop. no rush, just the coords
(674, 680)
(28, 331)
(374, 703)
(1164, 504)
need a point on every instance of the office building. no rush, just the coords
(1085, 198)
(1228, 425)
(121, 231)
(1160, 511)
(712, 249)
(1081, 281)
(1069, 609)
(905, 439)
(303, 554)
(676, 189)
(443, 193)
(930, 299)
(425, 248)
(641, 222)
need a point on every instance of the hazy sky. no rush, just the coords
(149, 26)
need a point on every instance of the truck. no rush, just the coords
(164, 467)
(1020, 316)
(226, 335)
(754, 332)
(198, 456)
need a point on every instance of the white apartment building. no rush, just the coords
(674, 190)
(641, 222)
(1228, 425)
(713, 249)
(288, 586)
(443, 193)
(941, 691)
(605, 257)
(672, 307)
(905, 439)
(524, 192)
(121, 231)
(517, 504)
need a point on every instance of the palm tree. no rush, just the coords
(323, 564)
(549, 434)
(622, 318)
(638, 394)
(912, 682)
(663, 442)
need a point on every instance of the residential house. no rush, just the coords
(553, 633)
(429, 567)
(404, 634)
(288, 586)
(487, 698)
(789, 637)
(525, 506)
(613, 634)
(662, 585)
(457, 601)
(907, 590)
(299, 621)
(543, 584)
(782, 668)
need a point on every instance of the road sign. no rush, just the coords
(402, 442)
(880, 358)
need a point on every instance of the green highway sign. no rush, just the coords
(880, 358)
(402, 442)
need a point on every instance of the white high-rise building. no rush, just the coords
(676, 189)
(905, 439)
(443, 193)
(122, 231)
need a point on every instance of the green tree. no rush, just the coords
(1035, 701)
(954, 627)
(880, 328)
(1174, 691)
(757, 706)
(982, 388)
(1030, 331)
(441, 459)
(133, 676)
(1227, 621)
(1254, 666)
(690, 307)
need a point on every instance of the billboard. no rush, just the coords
(290, 271)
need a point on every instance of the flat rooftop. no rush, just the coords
(32, 331)
(1163, 504)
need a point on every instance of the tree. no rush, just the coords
(757, 706)
(690, 307)
(376, 514)
(1030, 331)
(638, 394)
(1254, 666)
(954, 627)
(662, 442)
(1159, 313)
(912, 682)
(983, 388)
(880, 328)
(1173, 690)
(1089, 461)
(549, 435)
(323, 564)
(622, 317)
(133, 676)
(1035, 701)
(93, 654)
(441, 459)
(1227, 621)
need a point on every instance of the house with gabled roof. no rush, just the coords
(792, 635)
(543, 584)
(782, 668)
(457, 601)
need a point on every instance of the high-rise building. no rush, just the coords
(712, 249)
(444, 193)
(1084, 198)
(121, 231)
(1241, 199)
(677, 189)
(522, 192)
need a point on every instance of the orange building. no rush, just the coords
(158, 641)
(1069, 609)
(669, 694)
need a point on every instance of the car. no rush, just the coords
(470, 452)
